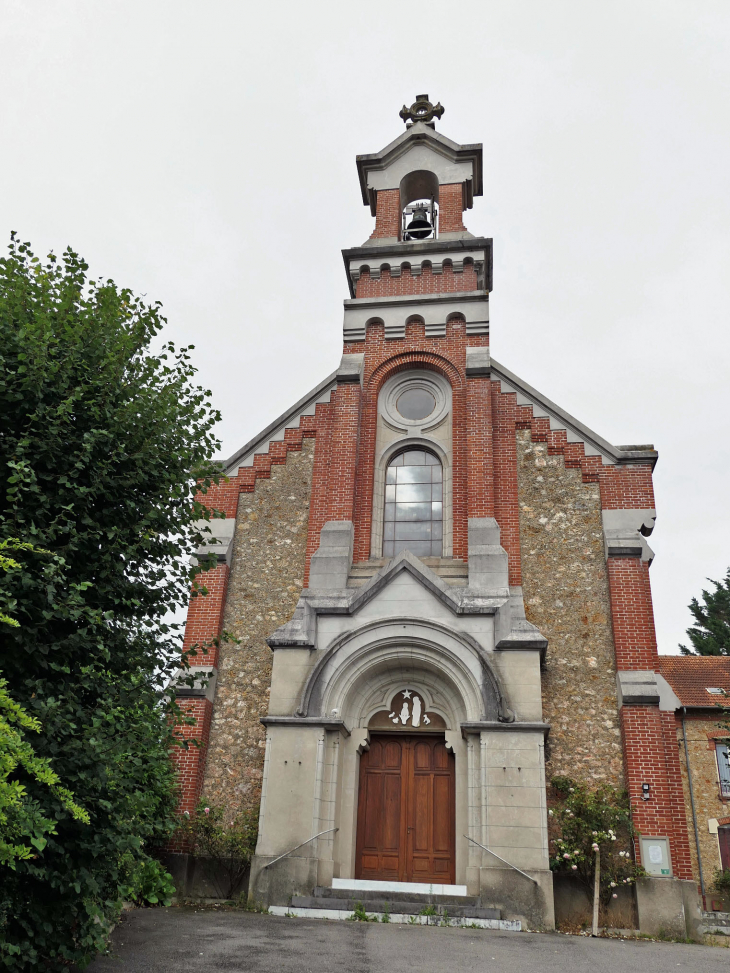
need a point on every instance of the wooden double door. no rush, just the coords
(406, 816)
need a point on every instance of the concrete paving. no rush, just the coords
(179, 940)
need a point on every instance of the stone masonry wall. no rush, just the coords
(565, 585)
(708, 802)
(267, 572)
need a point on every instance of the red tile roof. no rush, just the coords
(691, 676)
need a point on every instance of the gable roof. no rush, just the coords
(576, 432)
(420, 134)
(691, 676)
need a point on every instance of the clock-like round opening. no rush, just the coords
(415, 404)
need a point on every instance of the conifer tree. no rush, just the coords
(710, 635)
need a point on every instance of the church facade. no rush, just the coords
(438, 581)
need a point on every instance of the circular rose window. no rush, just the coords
(415, 404)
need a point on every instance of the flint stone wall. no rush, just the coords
(709, 803)
(266, 579)
(565, 585)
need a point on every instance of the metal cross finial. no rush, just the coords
(421, 111)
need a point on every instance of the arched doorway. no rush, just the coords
(406, 804)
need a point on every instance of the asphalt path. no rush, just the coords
(186, 940)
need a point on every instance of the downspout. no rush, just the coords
(692, 802)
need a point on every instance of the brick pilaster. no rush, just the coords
(343, 451)
(650, 758)
(681, 855)
(632, 614)
(205, 615)
(451, 207)
(319, 499)
(204, 623)
(479, 449)
(506, 505)
(387, 215)
(191, 762)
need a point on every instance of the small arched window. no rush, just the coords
(413, 505)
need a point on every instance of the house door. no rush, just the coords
(723, 836)
(405, 825)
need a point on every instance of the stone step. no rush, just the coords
(504, 925)
(716, 918)
(395, 906)
(413, 898)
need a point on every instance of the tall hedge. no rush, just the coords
(104, 435)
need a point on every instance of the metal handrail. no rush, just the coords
(269, 864)
(502, 859)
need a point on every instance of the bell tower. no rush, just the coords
(418, 308)
(418, 188)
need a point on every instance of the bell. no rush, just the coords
(419, 227)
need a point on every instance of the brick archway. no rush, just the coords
(364, 487)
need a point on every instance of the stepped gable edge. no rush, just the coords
(254, 460)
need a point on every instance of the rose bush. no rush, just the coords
(584, 821)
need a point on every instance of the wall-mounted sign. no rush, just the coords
(655, 856)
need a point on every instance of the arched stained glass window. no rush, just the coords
(414, 505)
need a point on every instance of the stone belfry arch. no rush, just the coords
(418, 519)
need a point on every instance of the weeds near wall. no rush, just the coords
(360, 915)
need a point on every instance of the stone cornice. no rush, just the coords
(543, 728)
(304, 721)
(395, 256)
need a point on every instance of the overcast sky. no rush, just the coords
(203, 153)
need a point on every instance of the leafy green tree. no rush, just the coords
(710, 635)
(103, 445)
(23, 829)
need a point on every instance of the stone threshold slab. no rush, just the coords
(423, 888)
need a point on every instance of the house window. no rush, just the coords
(413, 518)
(723, 765)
